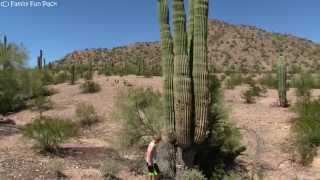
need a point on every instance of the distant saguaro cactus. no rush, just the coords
(5, 43)
(185, 72)
(73, 74)
(40, 60)
(282, 81)
(44, 62)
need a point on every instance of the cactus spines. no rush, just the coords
(200, 71)
(167, 63)
(282, 81)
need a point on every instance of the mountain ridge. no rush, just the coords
(230, 48)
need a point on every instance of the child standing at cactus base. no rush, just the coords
(151, 156)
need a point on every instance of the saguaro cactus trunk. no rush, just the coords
(73, 74)
(282, 81)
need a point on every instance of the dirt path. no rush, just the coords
(266, 133)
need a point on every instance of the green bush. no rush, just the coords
(140, 112)
(47, 77)
(42, 104)
(11, 94)
(248, 96)
(304, 83)
(60, 77)
(19, 86)
(88, 75)
(257, 90)
(234, 80)
(269, 80)
(90, 87)
(86, 114)
(307, 129)
(49, 132)
(223, 140)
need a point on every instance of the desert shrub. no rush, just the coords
(19, 86)
(88, 75)
(60, 77)
(223, 140)
(86, 114)
(11, 93)
(257, 90)
(41, 104)
(233, 80)
(192, 174)
(307, 129)
(269, 80)
(303, 84)
(49, 132)
(47, 77)
(90, 87)
(140, 112)
(248, 96)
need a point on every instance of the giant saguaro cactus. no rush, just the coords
(282, 81)
(73, 74)
(185, 70)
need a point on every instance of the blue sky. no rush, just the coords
(80, 24)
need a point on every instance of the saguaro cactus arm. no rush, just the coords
(167, 62)
(200, 69)
(182, 77)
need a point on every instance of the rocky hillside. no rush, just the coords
(231, 47)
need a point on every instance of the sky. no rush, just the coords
(70, 25)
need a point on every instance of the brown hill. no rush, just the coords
(231, 47)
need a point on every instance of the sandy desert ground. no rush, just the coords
(265, 129)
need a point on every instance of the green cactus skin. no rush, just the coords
(167, 63)
(182, 83)
(200, 71)
(282, 82)
(191, 29)
(73, 74)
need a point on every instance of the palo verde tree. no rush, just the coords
(186, 76)
(12, 56)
